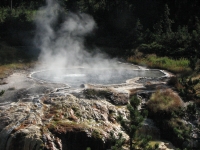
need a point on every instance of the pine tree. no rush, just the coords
(158, 30)
(133, 123)
(117, 142)
(139, 31)
(167, 21)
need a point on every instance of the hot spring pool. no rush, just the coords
(74, 77)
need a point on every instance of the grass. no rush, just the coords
(8, 69)
(12, 58)
(63, 126)
(174, 65)
(153, 143)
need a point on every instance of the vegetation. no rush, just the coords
(187, 87)
(167, 105)
(21, 12)
(180, 130)
(164, 29)
(7, 69)
(188, 91)
(117, 142)
(174, 65)
(133, 123)
(164, 102)
(2, 92)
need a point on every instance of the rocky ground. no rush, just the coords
(35, 115)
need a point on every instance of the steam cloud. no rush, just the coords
(60, 37)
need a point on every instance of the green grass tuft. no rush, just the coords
(174, 65)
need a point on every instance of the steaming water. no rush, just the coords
(74, 77)
(60, 37)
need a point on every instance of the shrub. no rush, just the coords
(188, 87)
(165, 101)
(189, 90)
(180, 131)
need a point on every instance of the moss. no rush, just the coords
(63, 126)
(66, 125)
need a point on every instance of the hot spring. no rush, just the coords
(75, 77)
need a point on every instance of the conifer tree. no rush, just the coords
(117, 142)
(167, 21)
(133, 123)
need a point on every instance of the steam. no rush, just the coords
(60, 37)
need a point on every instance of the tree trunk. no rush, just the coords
(130, 143)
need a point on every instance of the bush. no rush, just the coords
(179, 130)
(164, 101)
(188, 90)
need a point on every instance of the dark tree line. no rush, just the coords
(17, 3)
(164, 27)
(148, 11)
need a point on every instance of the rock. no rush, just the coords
(113, 96)
(30, 139)
(62, 117)
(166, 146)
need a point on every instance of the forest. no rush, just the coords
(164, 27)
